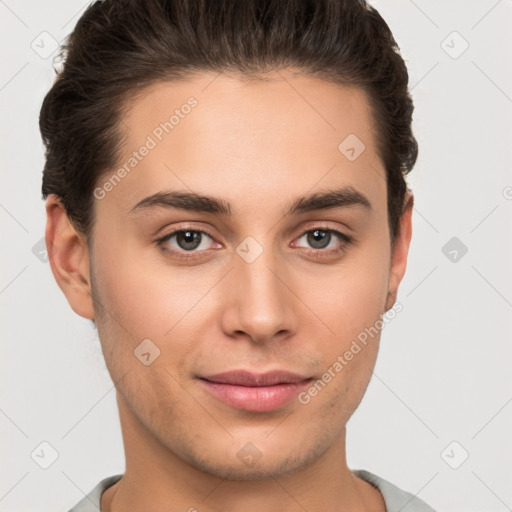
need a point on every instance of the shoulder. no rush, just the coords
(91, 502)
(395, 498)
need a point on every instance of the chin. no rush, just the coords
(264, 468)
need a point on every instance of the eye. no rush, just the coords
(321, 238)
(185, 240)
(188, 243)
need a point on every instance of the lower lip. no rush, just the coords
(258, 399)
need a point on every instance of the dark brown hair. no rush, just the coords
(118, 47)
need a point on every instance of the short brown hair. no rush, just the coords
(118, 47)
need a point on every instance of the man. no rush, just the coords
(226, 202)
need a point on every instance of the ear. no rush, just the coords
(69, 258)
(401, 250)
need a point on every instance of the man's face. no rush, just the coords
(258, 290)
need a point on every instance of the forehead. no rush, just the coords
(280, 103)
(222, 135)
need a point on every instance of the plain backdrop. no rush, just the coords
(437, 416)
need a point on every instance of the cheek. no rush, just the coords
(138, 302)
(142, 297)
(352, 295)
(339, 390)
(350, 305)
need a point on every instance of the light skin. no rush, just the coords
(257, 146)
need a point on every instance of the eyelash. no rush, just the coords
(318, 253)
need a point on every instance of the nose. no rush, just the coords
(257, 301)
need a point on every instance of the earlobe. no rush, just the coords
(69, 258)
(401, 250)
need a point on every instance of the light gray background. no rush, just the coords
(444, 369)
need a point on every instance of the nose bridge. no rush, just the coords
(260, 295)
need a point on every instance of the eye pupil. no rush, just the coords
(191, 239)
(319, 235)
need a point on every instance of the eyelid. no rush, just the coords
(323, 224)
(186, 227)
(324, 227)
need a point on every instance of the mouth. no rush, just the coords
(257, 392)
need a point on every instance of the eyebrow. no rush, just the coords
(338, 198)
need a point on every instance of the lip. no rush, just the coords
(258, 392)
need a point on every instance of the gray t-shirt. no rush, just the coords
(396, 500)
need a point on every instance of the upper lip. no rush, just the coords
(247, 378)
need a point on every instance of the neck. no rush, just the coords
(156, 478)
